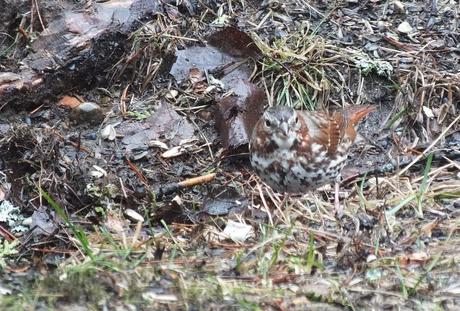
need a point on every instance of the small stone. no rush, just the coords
(405, 27)
(87, 112)
(399, 7)
(457, 203)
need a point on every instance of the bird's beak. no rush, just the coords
(284, 128)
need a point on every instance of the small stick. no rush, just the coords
(264, 203)
(137, 171)
(6, 234)
(197, 180)
(173, 187)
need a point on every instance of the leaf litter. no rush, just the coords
(204, 233)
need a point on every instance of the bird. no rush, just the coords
(296, 151)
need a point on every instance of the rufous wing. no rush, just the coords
(320, 128)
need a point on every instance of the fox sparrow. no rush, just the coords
(297, 151)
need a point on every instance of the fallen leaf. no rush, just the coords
(178, 150)
(428, 112)
(164, 123)
(405, 27)
(133, 215)
(69, 102)
(238, 231)
(109, 132)
(114, 223)
(418, 258)
(236, 116)
(158, 144)
(98, 172)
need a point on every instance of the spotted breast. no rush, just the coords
(297, 151)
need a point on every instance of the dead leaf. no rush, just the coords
(234, 42)
(236, 116)
(109, 132)
(238, 231)
(114, 223)
(417, 258)
(69, 102)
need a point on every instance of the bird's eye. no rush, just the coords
(296, 120)
(268, 123)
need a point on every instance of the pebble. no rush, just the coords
(457, 203)
(87, 112)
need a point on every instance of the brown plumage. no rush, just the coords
(297, 151)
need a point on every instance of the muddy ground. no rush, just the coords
(124, 175)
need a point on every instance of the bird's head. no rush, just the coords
(281, 121)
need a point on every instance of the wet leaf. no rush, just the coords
(234, 42)
(42, 223)
(165, 123)
(236, 115)
(69, 102)
(223, 201)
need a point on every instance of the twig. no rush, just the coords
(38, 14)
(6, 234)
(170, 188)
(138, 172)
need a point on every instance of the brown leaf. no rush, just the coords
(417, 258)
(234, 42)
(236, 115)
(69, 102)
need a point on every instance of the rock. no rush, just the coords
(87, 112)
(457, 203)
